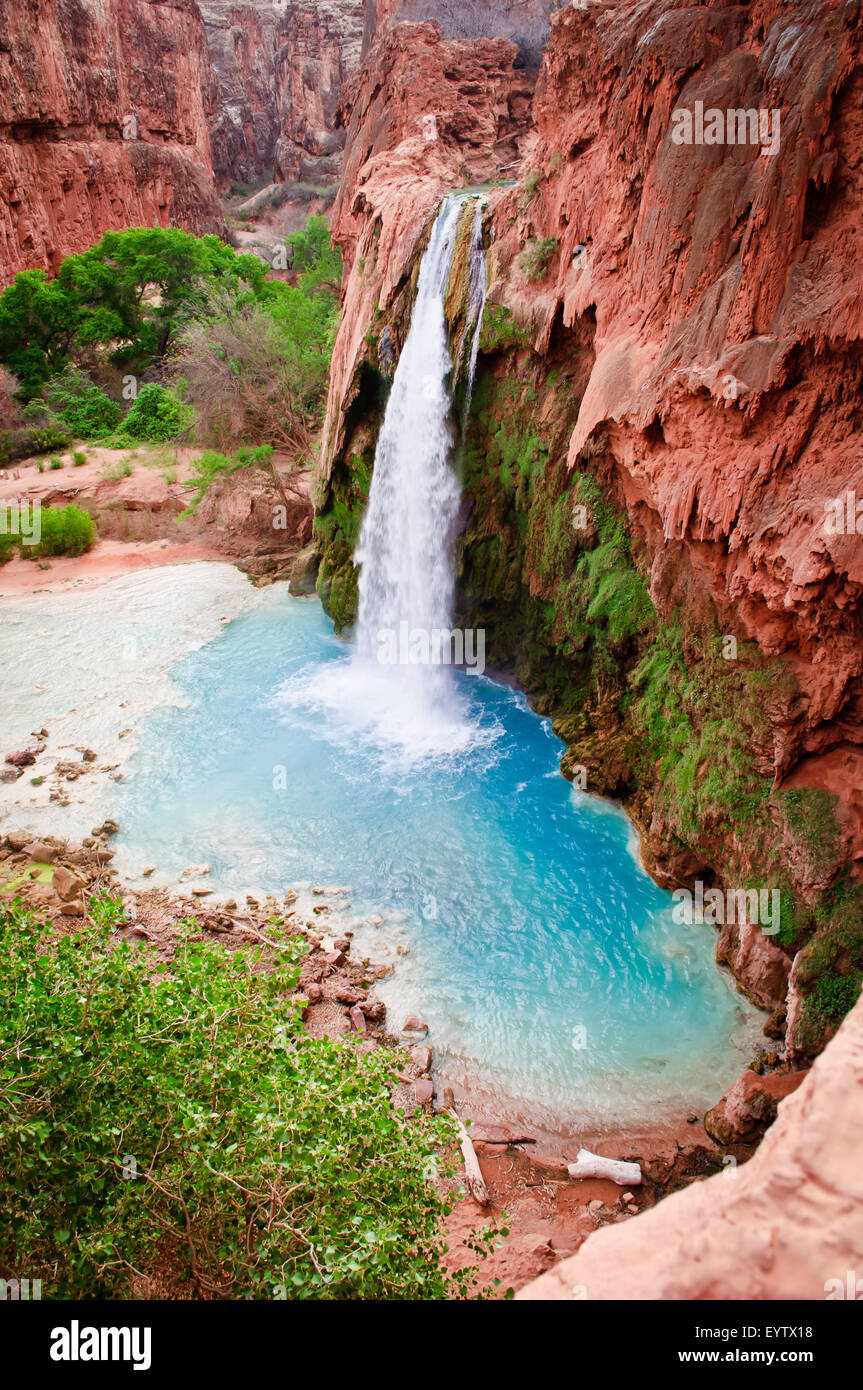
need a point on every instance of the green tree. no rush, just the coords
(124, 296)
(38, 321)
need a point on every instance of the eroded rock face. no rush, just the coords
(319, 49)
(104, 123)
(280, 68)
(242, 43)
(786, 1225)
(525, 22)
(725, 285)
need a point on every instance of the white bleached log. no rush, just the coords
(472, 1171)
(588, 1165)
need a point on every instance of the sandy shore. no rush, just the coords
(107, 560)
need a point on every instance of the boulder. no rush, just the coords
(304, 571)
(749, 1106)
(412, 1024)
(39, 852)
(25, 757)
(421, 1057)
(423, 1091)
(66, 884)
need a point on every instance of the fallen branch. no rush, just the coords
(588, 1165)
(472, 1171)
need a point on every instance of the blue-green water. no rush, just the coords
(542, 957)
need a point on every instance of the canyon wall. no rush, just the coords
(134, 113)
(525, 22)
(242, 40)
(667, 400)
(319, 50)
(105, 108)
(279, 69)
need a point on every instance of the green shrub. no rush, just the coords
(79, 458)
(532, 180)
(210, 465)
(157, 414)
(65, 531)
(181, 1117)
(55, 463)
(536, 257)
(44, 440)
(87, 411)
(113, 472)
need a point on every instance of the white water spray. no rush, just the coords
(477, 290)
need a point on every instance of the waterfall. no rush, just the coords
(405, 545)
(400, 695)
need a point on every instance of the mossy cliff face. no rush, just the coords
(655, 705)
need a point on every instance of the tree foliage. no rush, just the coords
(125, 295)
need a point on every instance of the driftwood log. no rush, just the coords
(472, 1171)
(588, 1165)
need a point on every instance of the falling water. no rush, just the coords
(394, 692)
(406, 540)
(477, 288)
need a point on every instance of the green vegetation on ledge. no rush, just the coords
(142, 1134)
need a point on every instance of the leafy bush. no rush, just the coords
(156, 414)
(138, 1127)
(65, 531)
(82, 406)
(113, 472)
(536, 256)
(55, 463)
(44, 440)
(210, 465)
(79, 458)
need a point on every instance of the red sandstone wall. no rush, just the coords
(71, 72)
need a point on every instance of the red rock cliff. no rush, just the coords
(280, 70)
(726, 286)
(319, 50)
(104, 116)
